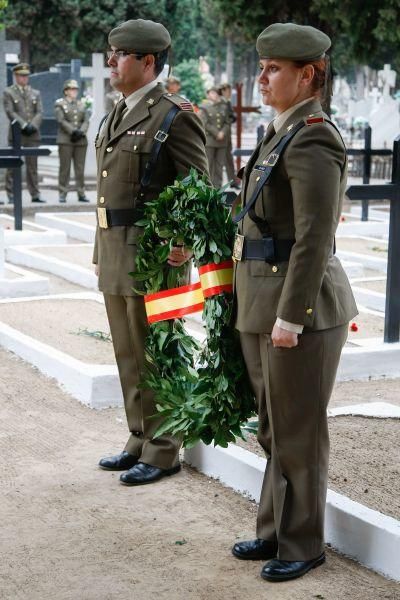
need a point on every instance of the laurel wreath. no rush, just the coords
(201, 390)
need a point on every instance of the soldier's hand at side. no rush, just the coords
(282, 338)
(29, 129)
(179, 255)
(220, 135)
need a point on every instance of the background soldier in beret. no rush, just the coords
(147, 121)
(24, 104)
(225, 91)
(73, 122)
(217, 124)
(173, 84)
(293, 298)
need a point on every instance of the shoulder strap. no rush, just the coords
(100, 126)
(272, 161)
(159, 138)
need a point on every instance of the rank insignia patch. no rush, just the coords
(186, 106)
(314, 120)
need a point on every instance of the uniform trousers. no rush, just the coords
(229, 164)
(216, 162)
(32, 180)
(128, 327)
(67, 154)
(292, 388)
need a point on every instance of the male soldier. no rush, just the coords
(111, 100)
(73, 122)
(216, 121)
(23, 104)
(225, 92)
(173, 85)
(157, 130)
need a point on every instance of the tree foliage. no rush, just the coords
(191, 81)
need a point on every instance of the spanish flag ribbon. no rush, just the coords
(187, 299)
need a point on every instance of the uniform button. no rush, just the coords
(309, 311)
(275, 269)
(101, 200)
(135, 148)
(110, 149)
(104, 173)
(258, 178)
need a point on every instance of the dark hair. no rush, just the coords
(320, 71)
(159, 61)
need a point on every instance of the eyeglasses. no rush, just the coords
(122, 53)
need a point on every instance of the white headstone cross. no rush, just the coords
(387, 80)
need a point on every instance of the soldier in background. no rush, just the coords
(111, 100)
(73, 122)
(173, 85)
(215, 117)
(23, 104)
(225, 91)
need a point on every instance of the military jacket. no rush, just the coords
(215, 117)
(302, 201)
(121, 158)
(25, 106)
(70, 115)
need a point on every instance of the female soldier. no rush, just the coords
(73, 122)
(293, 298)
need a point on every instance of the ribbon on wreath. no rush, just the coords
(188, 299)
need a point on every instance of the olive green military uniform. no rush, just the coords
(302, 201)
(71, 115)
(216, 118)
(24, 105)
(229, 164)
(121, 157)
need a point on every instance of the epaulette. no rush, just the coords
(59, 100)
(314, 119)
(179, 101)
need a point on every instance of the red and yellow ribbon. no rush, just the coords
(187, 299)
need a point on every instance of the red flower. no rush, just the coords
(354, 327)
(342, 218)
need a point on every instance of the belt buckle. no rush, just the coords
(272, 159)
(238, 247)
(102, 217)
(161, 136)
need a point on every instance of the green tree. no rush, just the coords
(191, 81)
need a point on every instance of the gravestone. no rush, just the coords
(1, 252)
(385, 116)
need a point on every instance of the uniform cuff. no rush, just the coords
(293, 327)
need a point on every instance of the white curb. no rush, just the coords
(367, 260)
(97, 386)
(29, 257)
(353, 529)
(377, 410)
(26, 284)
(63, 221)
(37, 236)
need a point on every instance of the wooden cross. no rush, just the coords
(388, 191)
(239, 110)
(16, 151)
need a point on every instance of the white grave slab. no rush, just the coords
(377, 410)
(72, 223)
(32, 234)
(95, 385)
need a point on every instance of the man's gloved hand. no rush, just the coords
(29, 129)
(76, 135)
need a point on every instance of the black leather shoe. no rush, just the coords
(62, 199)
(284, 570)
(83, 199)
(141, 474)
(255, 550)
(120, 462)
(38, 200)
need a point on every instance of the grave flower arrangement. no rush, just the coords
(202, 390)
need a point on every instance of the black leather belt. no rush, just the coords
(109, 217)
(267, 249)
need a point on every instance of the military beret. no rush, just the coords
(143, 37)
(22, 69)
(71, 84)
(213, 88)
(292, 42)
(172, 79)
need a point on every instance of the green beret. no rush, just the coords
(22, 69)
(292, 42)
(143, 37)
(71, 84)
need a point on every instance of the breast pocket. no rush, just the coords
(132, 157)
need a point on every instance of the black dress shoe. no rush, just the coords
(141, 474)
(38, 200)
(120, 462)
(83, 199)
(255, 550)
(62, 199)
(283, 570)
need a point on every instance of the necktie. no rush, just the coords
(118, 116)
(269, 133)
